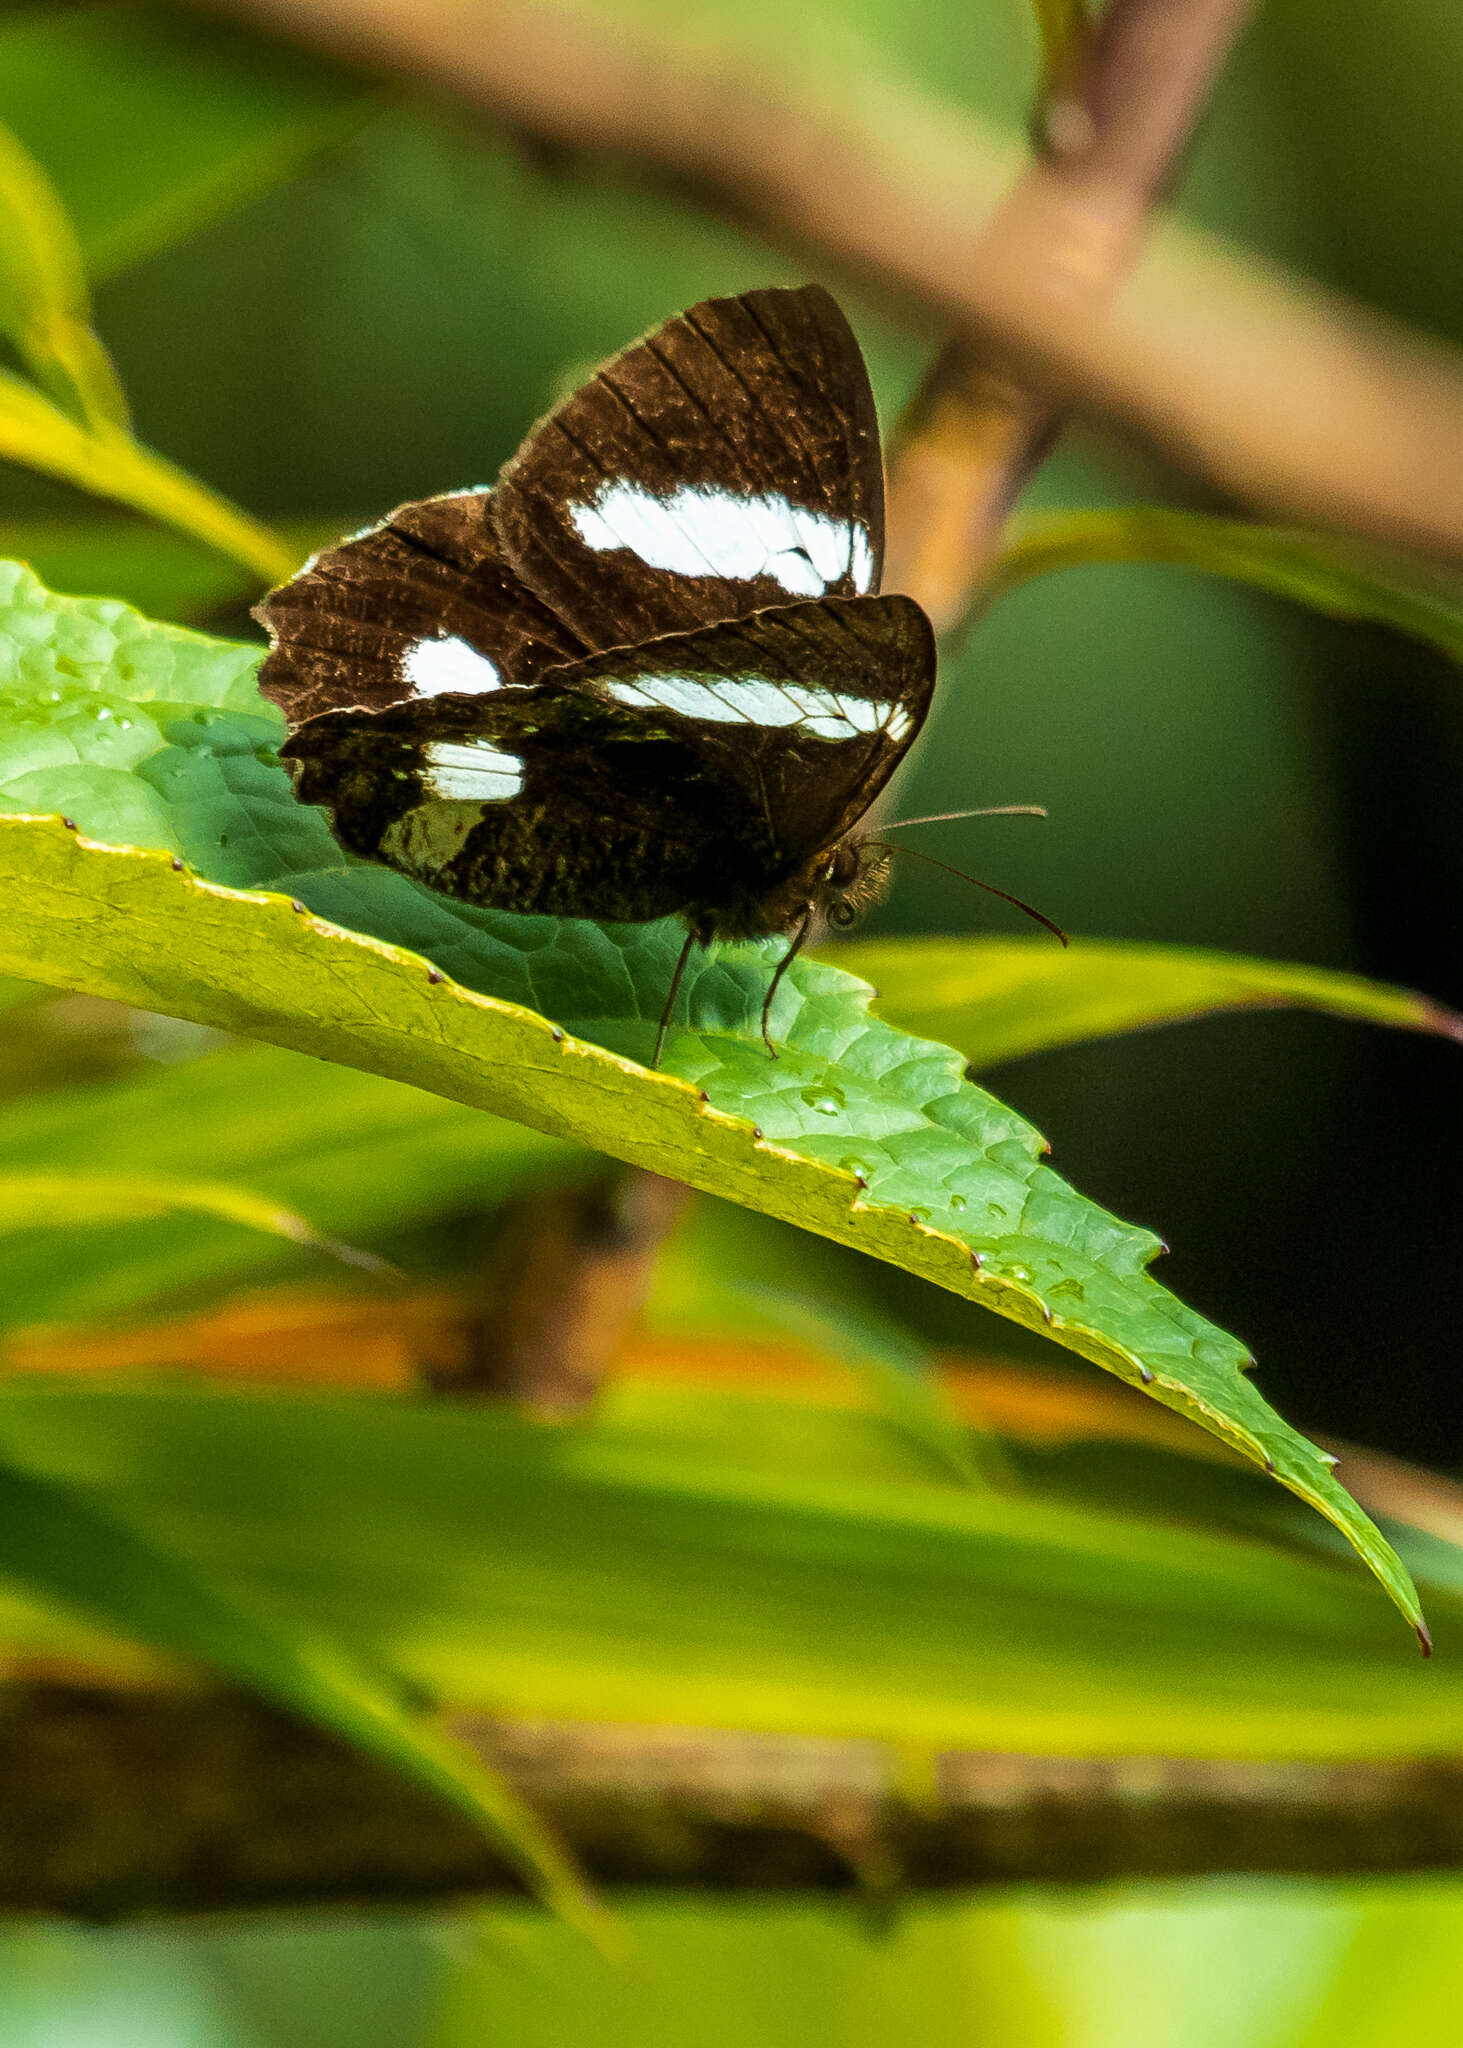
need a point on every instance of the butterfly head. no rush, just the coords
(852, 879)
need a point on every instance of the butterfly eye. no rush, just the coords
(843, 867)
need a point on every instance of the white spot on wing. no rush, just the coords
(473, 770)
(728, 700)
(434, 667)
(703, 530)
(862, 567)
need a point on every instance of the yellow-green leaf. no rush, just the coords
(1332, 573)
(44, 305)
(61, 1544)
(62, 1201)
(1000, 999)
(39, 435)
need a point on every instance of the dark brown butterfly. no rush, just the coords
(646, 672)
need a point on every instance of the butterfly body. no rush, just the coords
(647, 673)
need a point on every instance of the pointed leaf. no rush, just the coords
(899, 1373)
(856, 1130)
(63, 1201)
(40, 436)
(44, 307)
(739, 1560)
(1001, 999)
(1345, 578)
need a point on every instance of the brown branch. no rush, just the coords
(1115, 127)
(116, 1802)
(566, 1280)
(1285, 396)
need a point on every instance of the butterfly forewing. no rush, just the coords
(700, 773)
(727, 463)
(417, 606)
(647, 672)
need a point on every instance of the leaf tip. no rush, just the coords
(1445, 1022)
(1424, 1637)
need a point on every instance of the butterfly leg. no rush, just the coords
(670, 1001)
(798, 938)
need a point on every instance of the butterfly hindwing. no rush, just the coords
(539, 800)
(798, 716)
(700, 773)
(728, 462)
(417, 606)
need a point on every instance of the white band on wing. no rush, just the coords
(703, 530)
(472, 770)
(728, 700)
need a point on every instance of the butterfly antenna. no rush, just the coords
(1020, 903)
(991, 811)
(670, 1001)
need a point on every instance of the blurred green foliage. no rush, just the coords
(323, 297)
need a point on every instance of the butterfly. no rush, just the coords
(646, 673)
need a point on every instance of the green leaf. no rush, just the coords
(357, 1155)
(40, 436)
(1346, 579)
(79, 432)
(746, 1561)
(57, 1542)
(857, 1131)
(1001, 999)
(62, 1201)
(152, 122)
(899, 1372)
(44, 307)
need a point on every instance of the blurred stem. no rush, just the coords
(566, 1280)
(1279, 392)
(121, 1799)
(1122, 95)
